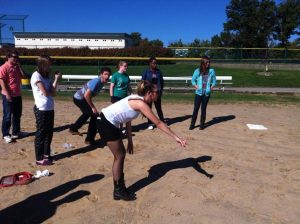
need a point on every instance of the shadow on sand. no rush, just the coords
(217, 120)
(158, 171)
(40, 207)
(169, 121)
(88, 148)
(56, 129)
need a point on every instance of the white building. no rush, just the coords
(74, 40)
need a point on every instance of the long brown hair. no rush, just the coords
(42, 65)
(144, 87)
(203, 69)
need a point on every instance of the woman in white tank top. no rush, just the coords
(124, 111)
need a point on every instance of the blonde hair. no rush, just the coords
(42, 65)
(144, 87)
(121, 63)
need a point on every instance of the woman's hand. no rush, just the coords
(196, 86)
(8, 98)
(182, 142)
(130, 147)
(95, 111)
(57, 75)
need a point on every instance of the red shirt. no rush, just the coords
(11, 76)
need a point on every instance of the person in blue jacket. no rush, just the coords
(154, 76)
(204, 80)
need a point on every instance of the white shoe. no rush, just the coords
(150, 127)
(7, 139)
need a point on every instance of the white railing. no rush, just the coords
(223, 80)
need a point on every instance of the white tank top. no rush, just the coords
(121, 112)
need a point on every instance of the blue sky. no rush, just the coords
(167, 20)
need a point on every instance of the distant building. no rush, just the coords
(74, 40)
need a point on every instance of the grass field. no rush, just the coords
(241, 77)
(216, 98)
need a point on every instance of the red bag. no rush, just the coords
(16, 179)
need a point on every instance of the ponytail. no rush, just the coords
(144, 87)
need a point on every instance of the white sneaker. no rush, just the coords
(150, 127)
(7, 139)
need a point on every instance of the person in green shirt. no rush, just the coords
(120, 83)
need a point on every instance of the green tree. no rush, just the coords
(288, 21)
(177, 43)
(266, 18)
(136, 38)
(216, 41)
(195, 43)
(250, 21)
(156, 43)
(138, 41)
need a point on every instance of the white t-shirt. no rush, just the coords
(42, 102)
(120, 111)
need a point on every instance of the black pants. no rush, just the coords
(157, 104)
(44, 132)
(203, 101)
(87, 113)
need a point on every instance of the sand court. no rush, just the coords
(227, 173)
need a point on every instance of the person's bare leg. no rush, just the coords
(118, 150)
(120, 191)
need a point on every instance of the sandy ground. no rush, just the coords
(256, 174)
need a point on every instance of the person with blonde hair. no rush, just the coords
(44, 90)
(120, 83)
(124, 111)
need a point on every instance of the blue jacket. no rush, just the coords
(197, 80)
(147, 75)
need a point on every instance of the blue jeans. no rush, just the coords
(12, 112)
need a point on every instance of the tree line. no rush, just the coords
(250, 24)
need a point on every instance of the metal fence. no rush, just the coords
(240, 54)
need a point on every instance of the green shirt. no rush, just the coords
(122, 82)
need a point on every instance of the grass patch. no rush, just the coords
(241, 77)
(228, 97)
(216, 98)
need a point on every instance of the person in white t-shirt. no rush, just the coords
(43, 90)
(124, 111)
